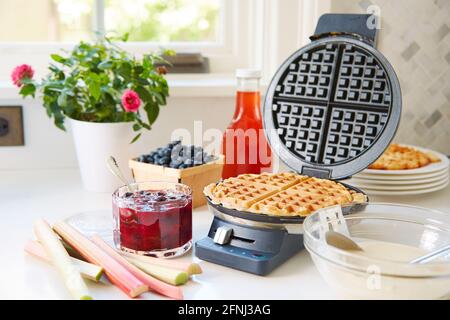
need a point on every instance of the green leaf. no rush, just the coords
(136, 138)
(125, 37)
(58, 58)
(152, 112)
(107, 64)
(125, 70)
(28, 90)
(95, 90)
(159, 98)
(143, 93)
(137, 127)
(62, 100)
(94, 86)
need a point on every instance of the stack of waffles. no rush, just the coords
(398, 157)
(280, 194)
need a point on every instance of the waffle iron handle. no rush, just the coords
(360, 26)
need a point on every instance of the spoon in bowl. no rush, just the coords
(340, 241)
(432, 255)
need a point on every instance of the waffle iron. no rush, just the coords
(331, 109)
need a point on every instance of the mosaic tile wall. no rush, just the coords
(415, 37)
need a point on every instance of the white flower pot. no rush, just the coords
(94, 143)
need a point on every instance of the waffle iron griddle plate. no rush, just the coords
(332, 108)
(265, 220)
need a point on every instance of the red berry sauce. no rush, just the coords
(153, 220)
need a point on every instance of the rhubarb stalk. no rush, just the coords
(172, 276)
(154, 284)
(116, 273)
(190, 267)
(61, 260)
(88, 270)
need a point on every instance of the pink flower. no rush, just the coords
(24, 71)
(131, 101)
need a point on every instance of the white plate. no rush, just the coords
(405, 192)
(360, 180)
(398, 177)
(418, 186)
(94, 223)
(444, 163)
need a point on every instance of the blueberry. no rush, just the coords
(175, 163)
(161, 198)
(167, 152)
(161, 153)
(128, 194)
(149, 160)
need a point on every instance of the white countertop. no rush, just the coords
(57, 194)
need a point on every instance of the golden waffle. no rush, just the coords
(285, 194)
(279, 180)
(238, 194)
(397, 157)
(304, 198)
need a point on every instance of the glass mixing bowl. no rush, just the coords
(364, 276)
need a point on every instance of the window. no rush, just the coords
(144, 20)
(164, 21)
(231, 33)
(45, 20)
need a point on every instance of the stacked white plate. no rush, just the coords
(430, 178)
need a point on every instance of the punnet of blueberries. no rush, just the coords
(178, 156)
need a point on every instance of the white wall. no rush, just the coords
(48, 147)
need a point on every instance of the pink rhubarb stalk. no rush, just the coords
(154, 284)
(116, 273)
(88, 270)
(190, 267)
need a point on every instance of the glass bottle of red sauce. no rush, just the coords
(244, 143)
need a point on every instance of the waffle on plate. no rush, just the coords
(280, 194)
(397, 157)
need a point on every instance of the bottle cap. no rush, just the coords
(248, 73)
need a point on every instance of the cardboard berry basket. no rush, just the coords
(195, 177)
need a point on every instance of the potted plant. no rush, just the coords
(108, 96)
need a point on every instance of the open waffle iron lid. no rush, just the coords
(334, 105)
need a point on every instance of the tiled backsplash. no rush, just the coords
(415, 37)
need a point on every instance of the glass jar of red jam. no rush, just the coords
(153, 218)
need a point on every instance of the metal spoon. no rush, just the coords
(115, 170)
(338, 240)
(432, 255)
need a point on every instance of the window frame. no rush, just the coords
(253, 34)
